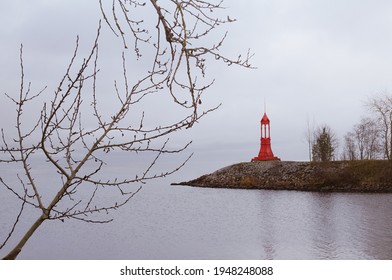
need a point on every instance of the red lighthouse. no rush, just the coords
(265, 141)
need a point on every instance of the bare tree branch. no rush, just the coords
(77, 153)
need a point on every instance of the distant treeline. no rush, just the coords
(370, 138)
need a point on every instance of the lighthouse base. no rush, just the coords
(264, 158)
(265, 152)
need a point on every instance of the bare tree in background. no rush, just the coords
(381, 106)
(76, 148)
(363, 142)
(309, 134)
(367, 136)
(349, 149)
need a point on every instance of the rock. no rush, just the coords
(335, 176)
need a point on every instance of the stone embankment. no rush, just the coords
(337, 176)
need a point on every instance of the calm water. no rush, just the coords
(167, 222)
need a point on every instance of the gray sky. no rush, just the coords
(317, 60)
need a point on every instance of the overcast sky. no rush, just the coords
(317, 60)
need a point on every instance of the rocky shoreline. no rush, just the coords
(371, 176)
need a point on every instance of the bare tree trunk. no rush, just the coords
(309, 137)
(18, 248)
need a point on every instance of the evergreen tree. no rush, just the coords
(324, 145)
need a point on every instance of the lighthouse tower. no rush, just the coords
(265, 152)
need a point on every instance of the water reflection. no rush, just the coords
(371, 224)
(268, 229)
(164, 222)
(321, 225)
(299, 225)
